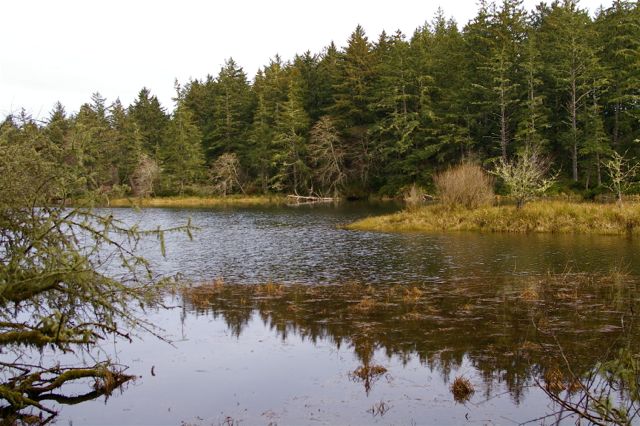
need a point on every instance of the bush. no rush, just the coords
(466, 185)
(526, 177)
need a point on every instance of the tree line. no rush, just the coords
(374, 116)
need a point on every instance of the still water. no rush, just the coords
(426, 308)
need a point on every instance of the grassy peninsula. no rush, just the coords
(539, 216)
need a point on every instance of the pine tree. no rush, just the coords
(618, 30)
(261, 137)
(200, 98)
(443, 80)
(90, 147)
(399, 107)
(353, 97)
(233, 110)
(151, 119)
(182, 156)
(502, 70)
(534, 116)
(127, 143)
(478, 41)
(290, 143)
(571, 67)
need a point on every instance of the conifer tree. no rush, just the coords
(151, 119)
(233, 110)
(571, 67)
(290, 143)
(182, 156)
(126, 143)
(618, 29)
(353, 97)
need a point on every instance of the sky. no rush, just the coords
(65, 50)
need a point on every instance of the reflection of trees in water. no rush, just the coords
(508, 329)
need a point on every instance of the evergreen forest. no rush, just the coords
(373, 116)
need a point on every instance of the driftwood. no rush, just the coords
(306, 199)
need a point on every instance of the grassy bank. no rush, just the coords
(232, 200)
(541, 216)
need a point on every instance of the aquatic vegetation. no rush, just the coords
(554, 380)
(462, 389)
(367, 375)
(439, 322)
(365, 304)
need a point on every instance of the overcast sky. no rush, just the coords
(65, 50)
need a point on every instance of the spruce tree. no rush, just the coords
(181, 155)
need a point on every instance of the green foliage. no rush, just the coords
(181, 155)
(553, 79)
(55, 293)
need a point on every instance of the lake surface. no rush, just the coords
(426, 308)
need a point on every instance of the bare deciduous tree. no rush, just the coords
(527, 176)
(226, 174)
(144, 176)
(621, 171)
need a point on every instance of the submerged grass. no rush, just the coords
(541, 216)
(231, 200)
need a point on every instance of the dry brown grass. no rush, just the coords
(366, 304)
(554, 380)
(462, 389)
(367, 372)
(412, 295)
(231, 200)
(466, 185)
(541, 216)
(270, 289)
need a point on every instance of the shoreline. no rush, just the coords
(183, 202)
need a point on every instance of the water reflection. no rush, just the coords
(305, 245)
(513, 331)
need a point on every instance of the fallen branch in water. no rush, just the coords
(311, 199)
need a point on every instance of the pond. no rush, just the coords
(293, 320)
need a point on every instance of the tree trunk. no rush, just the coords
(574, 129)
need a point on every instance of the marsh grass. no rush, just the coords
(367, 375)
(367, 303)
(231, 200)
(462, 389)
(554, 380)
(412, 295)
(560, 217)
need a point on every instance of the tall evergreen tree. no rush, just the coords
(290, 143)
(126, 142)
(618, 29)
(353, 97)
(233, 110)
(572, 70)
(151, 119)
(181, 155)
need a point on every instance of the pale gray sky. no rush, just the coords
(67, 49)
